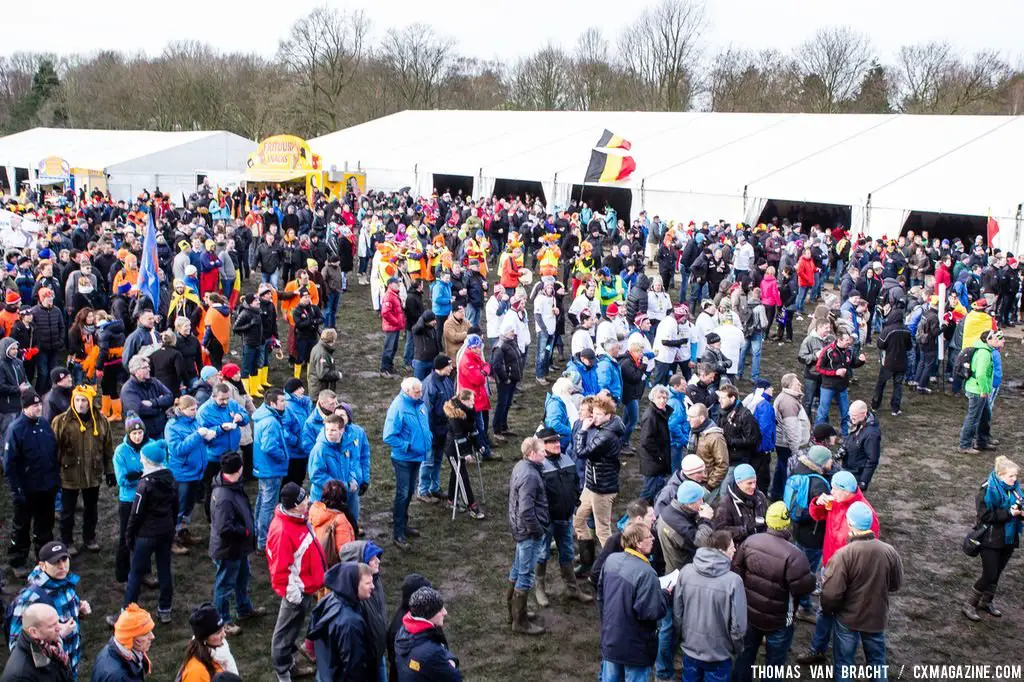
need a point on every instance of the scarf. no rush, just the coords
(53, 651)
(998, 495)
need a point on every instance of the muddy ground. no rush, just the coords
(923, 491)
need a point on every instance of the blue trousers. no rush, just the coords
(842, 398)
(387, 358)
(776, 648)
(524, 563)
(232, 580)
(706, 671)
(561, 533)
(665, 664)
(430, 470)
(331, 309)
(616, 672)
(976, 421)
(407, 476)
(631, 412)
(751, 347)
(814, 560)
(266, 499)
(652, 486)
(844, 650)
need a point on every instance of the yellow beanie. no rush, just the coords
(777, 517)
(133, 622)
(89, 393)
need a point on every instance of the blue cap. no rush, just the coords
(207, 372)
(744, 472)
(474, 341)
(859, 516)
(689, 492)
(844, 480)
(155, 451)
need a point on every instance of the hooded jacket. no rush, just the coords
(296, 410)
(862, 449)
(775, 575)
(30, 456)
(742, 433)
(677, 530)
(323, 371)
(708, 443)
(84, 445)
(154, 511)
(62, 595)
(631, 602)
(231, 522)
(186, 449)
(807, 532)
(894, 342)
(375, 609)
(421, 653)
(741, 514)
(12, 375)
(709, 608)
(212, 416)
(412, 582)
(337, 629)
(270, 452)
(601, 448)
(837, 531)
(407, 429)
(128, 467)
(295, 558)
(636, 301)
(426, 345)
(792, 426)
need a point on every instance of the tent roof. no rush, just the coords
(91, 149)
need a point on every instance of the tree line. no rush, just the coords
(334, 69)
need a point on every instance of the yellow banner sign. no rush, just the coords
(53, 168)
(284, 152)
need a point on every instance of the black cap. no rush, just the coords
(29, 397)
(230, 463)
(52, 552)
(442, 361)
(546, 433)
(712, 337)
(205, 621)
(292, 385)
(822, 432)
(292, 495)
(588, 354)
(57, 374)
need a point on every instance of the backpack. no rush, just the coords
(962, 363)
(43, 598)
(752, 325)
(797, 492)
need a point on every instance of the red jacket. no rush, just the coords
(392, 316)
(294, 557)
(805, 270)
(473, 373)
(837, 532)
(942, 277)
(510, 273)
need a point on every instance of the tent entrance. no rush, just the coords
(453, 184)
(527, 190)
(948, 225)
(806, 213)
(596, 197)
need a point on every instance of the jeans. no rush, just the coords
(524, 563)
(778, 487)
(421, 369)
(677, 457)
(812, 387)
(844, 651)
(331, 309)
(842, 398)
(430, 470)
(897, 389)
(232, 580)
(706, 671)
(652, 486)
(927, 366)
(473, 315)
(801, 295)
(410, 350)
(69, 501)
(144, 549)
(776, 648)
(544, 347)
(631, 413)
(250, 361)
(752, 346)
(823, 628)
(561, 533)
(502, 406)
(976, 421)
(273, 278)
(266, 500)
(616, 672)
(911, 370)
(291, 623)
(406, 478)
(189, 492)
(665, 664)
(481, 424)
(387, 358)
(814, 560)
(684, 277)
(123, 555)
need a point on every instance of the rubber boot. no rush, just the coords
(539, 591)
(115, 409)
(985, 605)
(509, 593)
(586, 558)
(298, 371)
(265, 377)
(252, 385)
(520, 621)
(970, 608)
(572, 588)
(105, 407)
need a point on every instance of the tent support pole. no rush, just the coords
(744, 200)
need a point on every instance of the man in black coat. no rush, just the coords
(739, 426)
(655, 444)
(894, 342)
(862, 448)
(50, 335)
(38, 652)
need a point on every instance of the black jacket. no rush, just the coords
(425, 339)
(268, 314)
(742, 434)
(655, 442)
(12, 375)
(21, 667)
(154, 510)
(249, 326)
(191, 354)
(561, 481)
(48, 325)
(677, 533)
(527, 502)
(633, 377)
(505, 365)
(307, 322)
(600, 447)
(861, 450)
(268, 258)
(775, 575)
(636, 301)
(30, 451)
(413, 309)
(475, 290)
(231, 524)
(741, 514)
(833, 358)
(895, 340)
(56, 401)
(170, 369)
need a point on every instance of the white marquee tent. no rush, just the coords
(705, 166)
(131, 160)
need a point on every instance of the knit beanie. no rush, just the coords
(692, 464)
(132, 422)
(819, 454)
(777, 517)
(744, 472)
(292, 385)
(689, 492)
(89, 393)
(133, 622)
(859, 516)
(205, 621)
(425, 603)
(155, 451)
(844, 480)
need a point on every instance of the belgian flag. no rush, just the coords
(610, 140)
(609, 167)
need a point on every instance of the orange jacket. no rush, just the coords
(321, 518)
(218, 321)
(287, 306)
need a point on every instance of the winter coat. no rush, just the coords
(296, 411)
(601, 447)
(169, 369)
(338, 630)
(775, 575)
(561, 481)
(21, 665)
(392, 314)
(154, 416)
(62, 595)
(472, 374)
(894, 341)
(422, 654)
(805, 270)
(295, 559)
(632, 603)
(831, 360)
(454, 333)
(437, 390)
(56, 401)
(505, 366)
(186, 449)
(426, 346)
(30, 456)
(856, 584)
(528, 514)
(212, 416)
(709, 444)
(322, 519)
(634, 374)
(742, 434)
(407, 429)
(709, 608)
(83, 456)
(249, 325)
(112, 666)
(373, 610)
(770, 295)
(677, 533)
(154, 512)
(741, 514)
(128, 468)
(792, 426)
(231, 522)
(556, 417)
(270, 451)
(136, 341)
(413, 308)
(192, 354)
(441, 298)
(609, 376)
(12, 375)
(807, 532)
(655, 441)
(582, 376)
(461, 430)
(347, 461)
(323, 371)
(810, 350)
(636, 300)
(764, 415)
(837, 531)
(50, 333)
(862, 449)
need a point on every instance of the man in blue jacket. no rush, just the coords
(30, 454)
(269, 459)
(224, 417)
(438, 388)
(326, 405)
(678, 426)
(421, 648)
(407, 433)
(297, 407)
(760, 405)
(609, 374)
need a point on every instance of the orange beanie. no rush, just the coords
(133, 622)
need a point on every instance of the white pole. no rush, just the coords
(942, 341)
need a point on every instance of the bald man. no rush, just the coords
(863, 447)
(39, 641)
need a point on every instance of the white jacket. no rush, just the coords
(704, 324)
(732, 341)
(492, 317)
(659, 305)
(670, 330)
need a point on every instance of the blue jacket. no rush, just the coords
(338, 630)
(355, 447)
(764, 414)
(583, 376)
(997, 369)
(128, 468)
(441, 298)
(186, 449)
(30, 455)
(269, 452)
(557, 417)
(678, 425)
(211, 416)
(111, 666)
(631, 602)
(422, 654)
(296, 410)
(311, 430)
(437, 390)
(609, 376)
(346, 461)
(407, 429)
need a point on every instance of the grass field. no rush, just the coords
(923, 491)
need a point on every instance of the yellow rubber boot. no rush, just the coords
(264, 378)
(298, 371)
(115, 410)
(253, 386)
(105, 407)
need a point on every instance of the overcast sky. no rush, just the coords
(508, 30)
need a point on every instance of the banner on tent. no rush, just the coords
(53, 170)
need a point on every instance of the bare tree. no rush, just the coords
(595, 80)
(324, 50)
(659, 53)
(419, 61)
(764, 81)
(540, 81)
(933, 79)
(834, 61)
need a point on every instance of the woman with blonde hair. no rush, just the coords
(1000, 506)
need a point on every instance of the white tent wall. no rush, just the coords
(683, 207)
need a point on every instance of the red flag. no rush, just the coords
(993, 229)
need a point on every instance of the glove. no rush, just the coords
(363, 487)
(133, 476)
(111, 480)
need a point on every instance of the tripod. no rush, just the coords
(460, 491)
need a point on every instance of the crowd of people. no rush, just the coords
(722, 551)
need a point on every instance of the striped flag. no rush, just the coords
(610, 140)
(149, 279)
(992, 228)
(609, 167)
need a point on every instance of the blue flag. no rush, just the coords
(149, 280)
